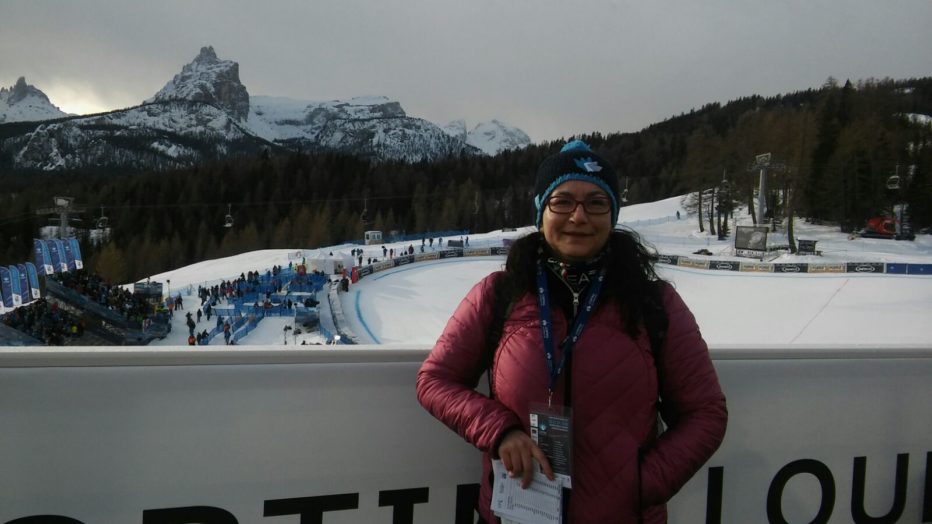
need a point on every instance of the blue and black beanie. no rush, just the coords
(574, 162)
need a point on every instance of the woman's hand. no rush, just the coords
(518, 453)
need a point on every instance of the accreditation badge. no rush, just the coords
(552, 431)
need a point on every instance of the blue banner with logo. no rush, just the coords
(69, 253)
(42, 256)
(24, 290)
(64, 247)
(33, 276)
(15, 286)
(76, 253)
(6, 287)
(55, 255)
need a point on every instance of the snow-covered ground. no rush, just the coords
(410, 305)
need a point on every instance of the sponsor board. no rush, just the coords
(790, 268)
(403, 260)
(452, 253)
(365, 271)
(896, 269)
(382, 266)
(864, 267)
(295, 465)
(724, 265)
(476, 252)
(668, 259)
(426, 256)
(498, 250)
(693, 263)
(749, 253)
(756, 267)
(920, 269)
(827, 268)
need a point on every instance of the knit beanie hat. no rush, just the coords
(575, 161)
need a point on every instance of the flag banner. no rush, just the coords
(56, 255)
(15, 287)
(33, 276)
(6, 287)
(76, 253)
(43, 258)
(68, 259)
(24, 288)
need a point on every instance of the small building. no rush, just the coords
(372, 237)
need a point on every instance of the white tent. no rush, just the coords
(330, 265)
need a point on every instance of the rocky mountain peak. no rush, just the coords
(21, 90)
(210, 80)
(24, 102)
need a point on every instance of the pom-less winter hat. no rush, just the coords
(574, 162)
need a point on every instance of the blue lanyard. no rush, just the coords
(546, 329)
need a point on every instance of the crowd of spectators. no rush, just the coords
(109, 296)
(45, 321)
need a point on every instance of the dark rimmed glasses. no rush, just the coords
(564, 205)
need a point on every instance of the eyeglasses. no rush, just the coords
(564, 205)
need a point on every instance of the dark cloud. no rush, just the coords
(549, 67)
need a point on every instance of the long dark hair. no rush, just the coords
(631, 281)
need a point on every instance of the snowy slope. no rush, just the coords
(411, 304)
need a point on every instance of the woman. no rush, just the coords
(610, 364)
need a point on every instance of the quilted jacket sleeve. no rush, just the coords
(694, 397)
(446, 381)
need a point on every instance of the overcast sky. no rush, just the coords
(551, 68)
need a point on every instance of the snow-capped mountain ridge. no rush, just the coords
(205, 112)
(24, 102)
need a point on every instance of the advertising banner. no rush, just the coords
(920, 269)
(790, 267)
(693, 263)
(33, 276)
(896, 269)
(668, 259)
(420, 257)
(499, 250)
(753, 238)
(291, 433)
(66, 248)
(365, 271)
(42, 256)
(382, 266)
(6, 287)
(476, 252)
(451, 253)
(864, 267)
(24, 288)
(828, 268)
(724, 265)
(403, 260)
(56, 256)
(76, 253)
(756, 267)
(16, 290)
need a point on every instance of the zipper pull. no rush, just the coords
(575, 304)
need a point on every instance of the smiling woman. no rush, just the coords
(579, 329)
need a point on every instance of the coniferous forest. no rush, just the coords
(833, 153)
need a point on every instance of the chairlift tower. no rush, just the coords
(64, 207)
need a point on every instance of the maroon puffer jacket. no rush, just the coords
(615, 391)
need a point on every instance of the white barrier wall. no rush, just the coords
(336, 436)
